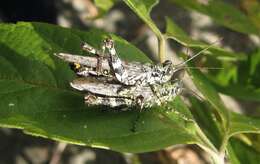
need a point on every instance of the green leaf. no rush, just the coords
(204, 116)
(240, 81)
(36, 97)
(241, 153)
(238, 151)
(210, 94)
(243, 124)
(254, 62)
(173, 31)
(242, 92)
(223, 13)
(143, 8)
(105, 5)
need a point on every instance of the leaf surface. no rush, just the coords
(36, 97)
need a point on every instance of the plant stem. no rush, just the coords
(217, 157)
(205, 140)
(161, 48)
(226, 127)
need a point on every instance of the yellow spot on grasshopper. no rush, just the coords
(77, 65)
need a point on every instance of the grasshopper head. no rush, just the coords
(167, 71)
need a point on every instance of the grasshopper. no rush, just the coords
(104, 91)
(129, 74)
(107, 81)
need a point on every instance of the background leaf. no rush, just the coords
(105, 5)
(223, 13)
(243, 124)
(239, 152)
(244, 80)
(252, 9)
(173, 31)
(143, 8)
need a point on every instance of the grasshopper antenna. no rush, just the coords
(207, 68)
(189, 91)
(199, 53)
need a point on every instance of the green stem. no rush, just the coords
(224, 143)
(205, 140)
(161, 48)
(217, 158)
(206, 145)
(226, 127)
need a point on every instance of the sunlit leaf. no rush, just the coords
(143, 8)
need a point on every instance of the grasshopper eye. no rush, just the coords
(167, 63)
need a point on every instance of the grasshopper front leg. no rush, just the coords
(92, 99)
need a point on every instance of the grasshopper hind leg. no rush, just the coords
(91, 99)
(115, 62)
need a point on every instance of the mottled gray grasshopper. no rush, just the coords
(113, 82)
(108, 92)
(130, 74)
